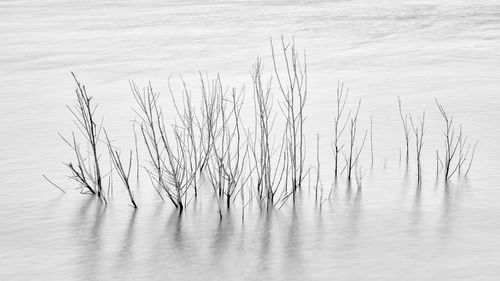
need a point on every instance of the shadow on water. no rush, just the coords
(348, 192)
(222, 236)
(451, 208)
(319, 224)
(405, 183)
(265, 241)
(335, 187)
(125, 255)
(294, 247)
(174, 227)
(416, 214)
(352, 217)
(157, 252)
(195, 206)
(88, 236)
(355, 201)
(450, 197)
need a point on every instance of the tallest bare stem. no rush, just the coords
(293, 86)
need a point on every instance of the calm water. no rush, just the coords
(387, 230)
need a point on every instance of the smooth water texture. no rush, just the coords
(387, 229)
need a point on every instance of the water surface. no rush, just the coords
(387, 230)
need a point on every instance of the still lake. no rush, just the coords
(387, 230)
